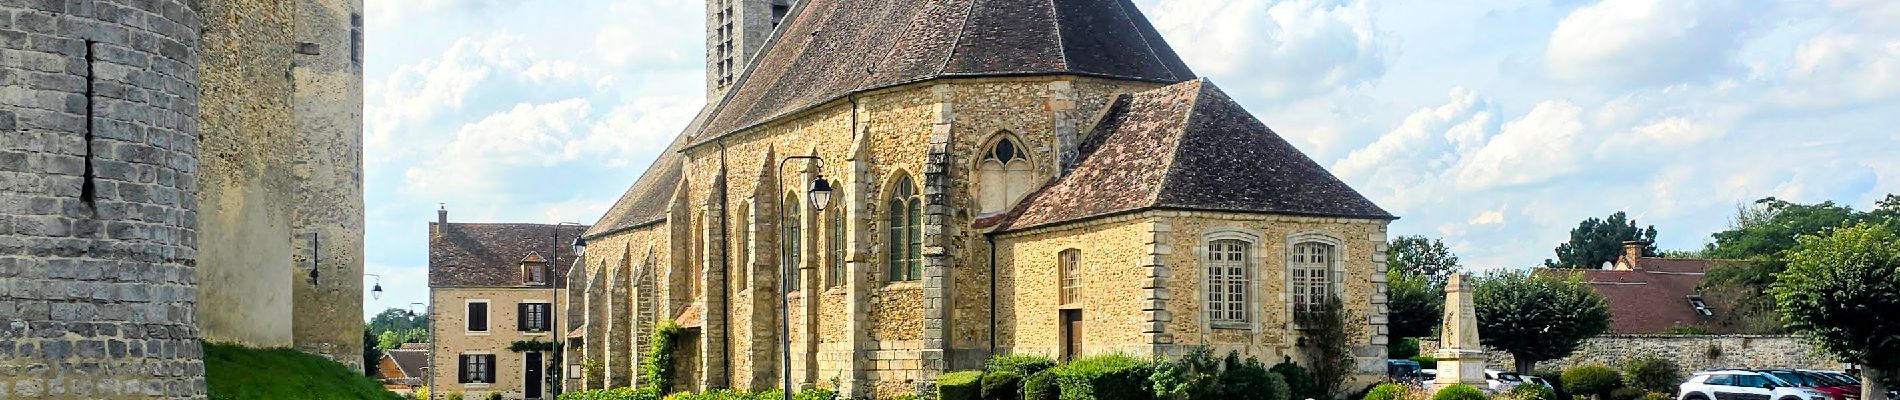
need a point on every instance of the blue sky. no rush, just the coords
(1496, 125)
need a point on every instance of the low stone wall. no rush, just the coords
(1690, 352)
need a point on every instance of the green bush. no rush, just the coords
(659, 362)
(1652, 374)
(494, 395)
(455, 395)
(1459, 392)
(1299, 383)
(1592, 380)
(1002, 385)
(1250, 380)
(815, 394)
(1657, 396)
(1041, 386)
(1627, 393)
(1556, 379)
(1387, 391)
(1022, 365)
(1105, 377)
(1532, 391)
(961, 385)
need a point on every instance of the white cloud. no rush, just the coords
(1493, 217)
(391, 12)
(1279, 50)
(1400, 166)
(1838, 69)
(635, 132)
(1537, 147)
(474, 163)
(1647, 41)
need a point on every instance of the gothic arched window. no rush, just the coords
(1003, 176)
(905, 215)
(834, 248)
(745, 244)
(790, 242)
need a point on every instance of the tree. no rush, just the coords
(1537, 317)
(1416, 304)
(1753, 250)
(371, 356)
(1841, 289)
(1421, 256)
(396, 319)
(1328, 332)
(392, 339)
(1596, 241)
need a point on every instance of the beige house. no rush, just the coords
(492, 288)
(1040, 177)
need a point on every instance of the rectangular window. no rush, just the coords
(477, 368)
(478, 316)
(1311, 267)
(534, 273)
(532, 317)
(1227, 270)
(1070, 271)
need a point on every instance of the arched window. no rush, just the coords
(744, 252)
(789, 243)
(1228, 266)
(1311, 265)
(834, 248)
(906, 231)
(1069, 267)
(1003, 175)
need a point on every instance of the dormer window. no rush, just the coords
(534, 270)
(1701, 307)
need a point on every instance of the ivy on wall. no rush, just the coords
(523, 346)
(659, 361)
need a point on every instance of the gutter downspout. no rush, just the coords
(991, 238)
(725, 261)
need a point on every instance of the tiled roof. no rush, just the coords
(490, 255)
(645, 202)
(1651, 298)
(832, 48)
(1189, 146)
(411, 362)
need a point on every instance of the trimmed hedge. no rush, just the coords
(1021, 365)
(1105, 377)
(1653, 374)
(1592, 380)
(1459, 392)
(1387, 391)
(1532, 391)
(1041, 386)
(961, 385)
(1004, 375)
(1002, 385)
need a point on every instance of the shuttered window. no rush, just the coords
(531, 317)
(476, 368)
(477, 316)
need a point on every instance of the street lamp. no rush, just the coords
(819, 195)
(555, 332)
(376, 293)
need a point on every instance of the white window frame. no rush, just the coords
(488, 317)
(1069, 269)
(549, 316)
(1334, 268)
(491, 367)
(1248, 280)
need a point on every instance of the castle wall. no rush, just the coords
(327, 162)
(246, 197)
(98, 162)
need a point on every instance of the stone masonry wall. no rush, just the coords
(1690, 352)
(328, 166)
(98, 144)
(453, 339)
(1028, 287)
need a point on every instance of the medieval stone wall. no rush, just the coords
(98, 163)
(1690, 352)
(327, 162)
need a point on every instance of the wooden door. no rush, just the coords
(1071, 334)
(533, 375)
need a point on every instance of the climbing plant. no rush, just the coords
(659, 361)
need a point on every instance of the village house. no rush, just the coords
(1006, 177)
(492, 292)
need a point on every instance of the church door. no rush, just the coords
(1071, 334)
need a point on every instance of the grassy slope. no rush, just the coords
(240, 373)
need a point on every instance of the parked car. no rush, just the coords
(1401, 370)
(1835, 389)
(1539, 381)
(1854, 380)
(1501, 381)
(1743, 384)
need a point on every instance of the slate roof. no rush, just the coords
(411, 362)
(1188, 146)
(490, 255)
(832, 48)
(1650, 298)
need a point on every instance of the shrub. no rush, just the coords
(1592, 380)
(1250, 380)
(816, 393)
(1626, 393)
(1532, 391)
(1002, 385)
(1652, 374)
(1556, 379)
(961, 385)
(494, 395)
(1657, 396)
(1193, 376)
(1387, 391)
(659, 361)
(1105, 377)
(1022, 365)
(455, 395)
(1299, 384)
(1459, 392)
(1041, 386)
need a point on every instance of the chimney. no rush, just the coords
(441, 218)
(1632, 251)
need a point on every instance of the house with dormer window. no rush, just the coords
(492, 286)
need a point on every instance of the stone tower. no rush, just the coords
(98, 164)
(735, 30)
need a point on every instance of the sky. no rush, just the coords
(1495, 125)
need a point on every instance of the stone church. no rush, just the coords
(1010, 177)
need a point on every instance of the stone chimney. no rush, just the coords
(1632, 251)
(441, 219)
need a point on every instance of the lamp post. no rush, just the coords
(819, 195)
(555, 355)
(377, 293)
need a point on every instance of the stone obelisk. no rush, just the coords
(1460, 357)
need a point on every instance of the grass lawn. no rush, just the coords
(240, 373)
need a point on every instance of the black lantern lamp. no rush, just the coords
(820, 193)
(580, 246)
(376, 293)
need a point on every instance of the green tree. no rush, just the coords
(1753, 248)
(1841, 289)
(1327, 333)
(392, 339)
(1596, 241)
(396, 319)
(371, 355)
(1418, 255)
(1537, 317)
(1416, 304)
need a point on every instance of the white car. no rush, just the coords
(1742, 385)
(1538, 381)
(1501, 381)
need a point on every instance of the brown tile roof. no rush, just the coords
(645, 202)
(490, 255)
(1651, 298)
(1189, 146)
(411, 362)
(832, 48)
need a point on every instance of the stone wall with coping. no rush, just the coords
(1690, 352)
(98, 162)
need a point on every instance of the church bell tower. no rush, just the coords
(735, 31)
